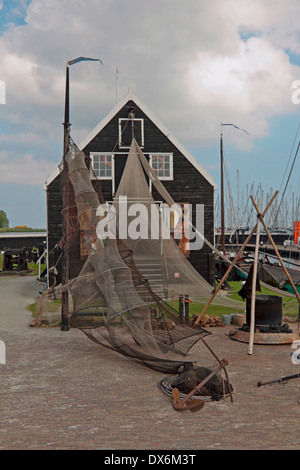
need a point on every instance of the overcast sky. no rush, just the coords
(195, 64)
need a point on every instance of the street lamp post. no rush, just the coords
(65, 190)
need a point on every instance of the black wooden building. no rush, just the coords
(107, 147)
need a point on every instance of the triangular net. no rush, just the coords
(121, 297)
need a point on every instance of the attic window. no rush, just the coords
(128, 128)
(162, 164)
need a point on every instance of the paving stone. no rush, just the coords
(59, 390)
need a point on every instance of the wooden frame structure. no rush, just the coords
(260, 219)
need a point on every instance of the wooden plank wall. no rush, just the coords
(54, 226)
(188, 185)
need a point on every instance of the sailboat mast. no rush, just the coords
(222, 185)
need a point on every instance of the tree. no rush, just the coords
(3, 220)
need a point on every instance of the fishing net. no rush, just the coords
(122, 296)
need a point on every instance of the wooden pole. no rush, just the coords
(232, 264)
(225, 276)
(253, 296)
(276, 250)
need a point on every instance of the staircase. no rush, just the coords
(152, 271)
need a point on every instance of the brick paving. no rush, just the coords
(59, 390)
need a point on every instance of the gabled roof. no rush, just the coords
(150, 115)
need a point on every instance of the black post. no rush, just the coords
(181, 307)
(187, 309)
(65, 213)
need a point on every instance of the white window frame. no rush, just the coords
(158, 154)
(93, 175)
(129, 124)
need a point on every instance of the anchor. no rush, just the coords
(195, 404)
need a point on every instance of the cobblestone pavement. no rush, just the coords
(59, 390)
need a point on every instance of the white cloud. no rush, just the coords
(249, 87)
(25, 170)
(193, 63)
(22, 138)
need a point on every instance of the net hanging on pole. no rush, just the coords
(114, 299)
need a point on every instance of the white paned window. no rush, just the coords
(102, 165)
(162, 164)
